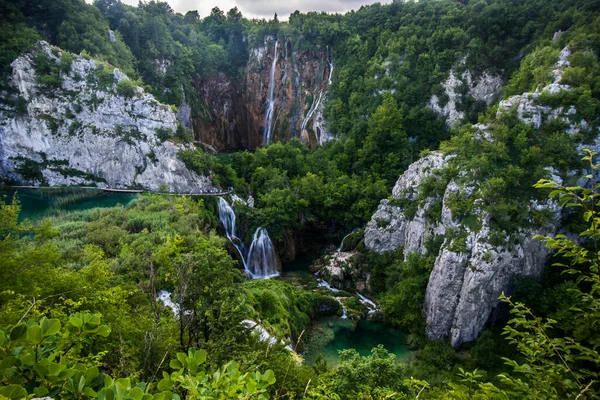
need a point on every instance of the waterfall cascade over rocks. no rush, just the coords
(227, 218)
(260, 261)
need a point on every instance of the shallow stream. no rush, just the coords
(328, 335)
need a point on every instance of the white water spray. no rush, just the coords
(271, 99)
(311, 111)
(227, 218)
(262, 262)
(339, 250)
(330, 62)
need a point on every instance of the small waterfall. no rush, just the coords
(339, 250)
(330, 62)
(311, 111)
(372, 307)
(165, 297)
(262, 262)
(271, 100)
(227, 218)
(344, 314)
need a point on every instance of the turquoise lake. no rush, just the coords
(39, 203)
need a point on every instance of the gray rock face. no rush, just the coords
(485, 88)
(84, 132)
(532, 112)
(464, 287)
(389, 228)
(469, 273)
(342, 272)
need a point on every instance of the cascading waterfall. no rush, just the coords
(329, 60)
(227, 218)
(262, 262)
(271, 100)
(311, 111)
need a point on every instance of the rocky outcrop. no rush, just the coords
(471, 268)
(342, 271)
(485, 89)
(474, 261)
(231, 114)
(389, 228)
(531, 109)
(72, 123)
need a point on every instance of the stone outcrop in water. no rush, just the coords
(343, 271)
(80, 130)
(234, 111)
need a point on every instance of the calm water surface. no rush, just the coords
(39, 203)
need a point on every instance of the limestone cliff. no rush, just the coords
(69, 120)
(471, 268)
(474, 262)
(232, 111)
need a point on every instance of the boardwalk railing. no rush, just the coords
(209, 192)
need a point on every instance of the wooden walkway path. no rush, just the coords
(212, 192)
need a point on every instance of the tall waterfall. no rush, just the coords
(271, 100)
(261, 261)
(227, 218)
(329, 60)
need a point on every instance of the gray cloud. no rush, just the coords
(266, 8)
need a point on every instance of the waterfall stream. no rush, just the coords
(260, 262)
(271, 99)
(330, 62)
(227, 218)
(311, 111)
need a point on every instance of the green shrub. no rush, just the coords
(163, 134)
(126, 88)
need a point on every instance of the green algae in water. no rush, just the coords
(329, 335)
(40, 203)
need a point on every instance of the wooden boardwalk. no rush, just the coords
(212, 192)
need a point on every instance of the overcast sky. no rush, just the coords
(265, 8)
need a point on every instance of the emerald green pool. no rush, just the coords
(40, 203)
(330, 335)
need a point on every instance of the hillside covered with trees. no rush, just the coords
(441, 167)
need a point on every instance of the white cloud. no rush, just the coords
(265, 8)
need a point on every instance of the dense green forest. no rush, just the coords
(79, 309)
